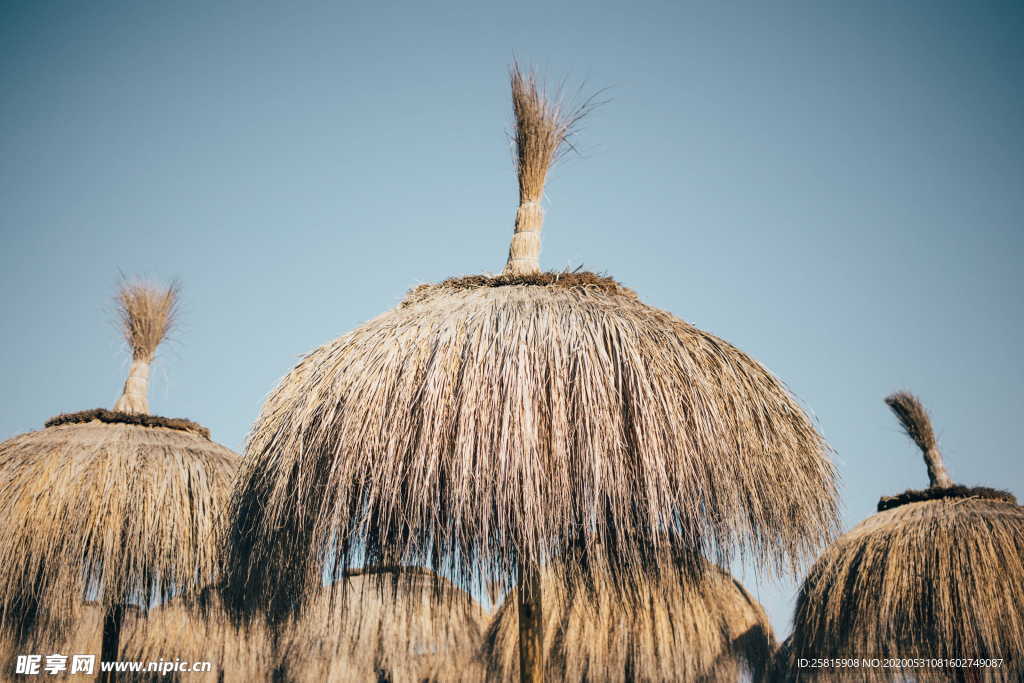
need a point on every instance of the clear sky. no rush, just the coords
(836, 188)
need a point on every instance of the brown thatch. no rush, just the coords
(83, 637)
(120, 508)
(917, 496)
(499, 421)
(488, 424)
(114, 417)
(936, 577)
(200, 631)
(675, 628)
(375, 633)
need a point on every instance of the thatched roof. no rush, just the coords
(83, 637)
(492, 422)
(200, 631)
(676, 628)
(930, 576)
(120, 507)
(371, 632)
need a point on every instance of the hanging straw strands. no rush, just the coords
(674, 628)
(935, 574)
(490, 420)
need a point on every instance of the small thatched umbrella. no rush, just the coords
(936, 574)
(487, 424)
(676, 628)
(83, 639)
(118, 506)
(199, 630)
(375, 633)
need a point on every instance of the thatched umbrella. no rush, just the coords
(677, 629)
(197, 629)
(118, 506)
(378, 633)
(85, 639)
(937, 573)
(487, 424)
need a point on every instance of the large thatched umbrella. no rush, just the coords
(936, 574)
(197, 629)
(114, 506)
(487, 424)
(377, 633)
(676, 629)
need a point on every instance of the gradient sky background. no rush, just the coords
(836, 188)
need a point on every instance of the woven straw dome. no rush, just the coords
(372, 632)
(112, 506)
(128, 508)
(936, 574)
(488, 424)
(501, 420)
(676, 629)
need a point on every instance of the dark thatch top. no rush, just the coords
(937, 493)
(577, 280)
(115, 417)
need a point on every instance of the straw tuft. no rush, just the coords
(674, 628)
(544, 125)
(147, 314)
(918, 425)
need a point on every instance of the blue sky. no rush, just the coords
(836, 188)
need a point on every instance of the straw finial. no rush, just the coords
(918, 425)
(543, 128)
(147, 313)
